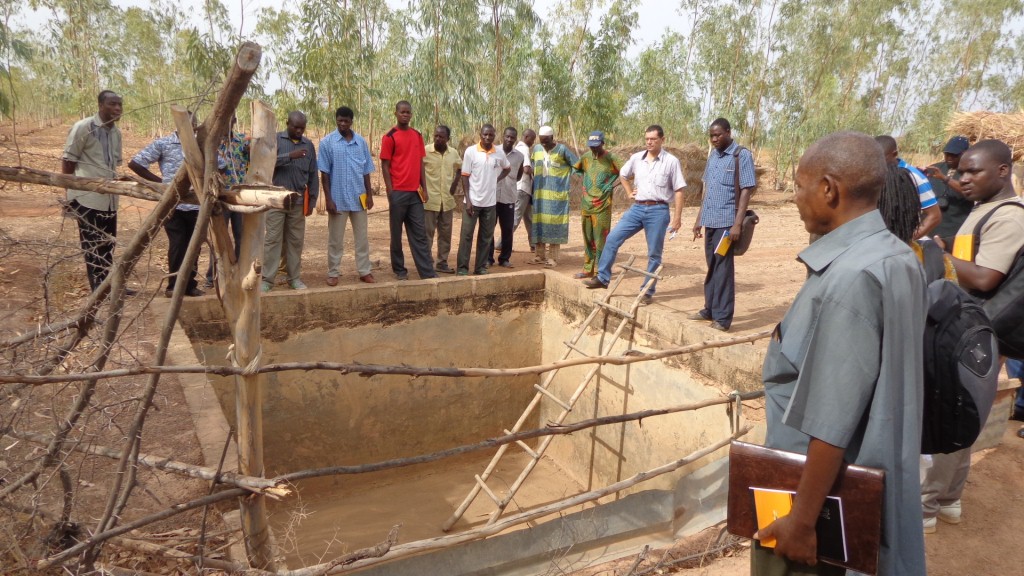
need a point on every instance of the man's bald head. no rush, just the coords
(839, 178)
(889, 148)
(296, 126)
(853, 159)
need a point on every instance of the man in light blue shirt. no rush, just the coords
(345, 165)
(931, 214)
(166, 152)
(721, 214)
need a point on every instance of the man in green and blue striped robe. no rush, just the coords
(552, 166)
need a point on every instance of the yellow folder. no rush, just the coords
(362, 200)
(963, 247)
(723, 245)
(770, 506)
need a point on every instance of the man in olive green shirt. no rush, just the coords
(93, 149)
(442, 170)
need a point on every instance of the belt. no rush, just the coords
(650, 202)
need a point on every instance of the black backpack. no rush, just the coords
(961, 362)
(1005, 304)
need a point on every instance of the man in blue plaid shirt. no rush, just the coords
(721, 214)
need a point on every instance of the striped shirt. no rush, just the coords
(924, 187)
(167, 153)
(346, 162)
(719, 207)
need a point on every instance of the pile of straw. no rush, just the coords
(981, 125)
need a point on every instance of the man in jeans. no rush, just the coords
(721, 214)
(658, 179)
(483, 166)
(507, 196)
(295, 170)
(401, 163)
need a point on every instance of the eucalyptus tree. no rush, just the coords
(444, 72)
(509, 29)
(79, 32)
(13, 51)
(660, 91)
(583, 71)
(974, 61)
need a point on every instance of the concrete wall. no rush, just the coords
(604, 455)
(319, 418)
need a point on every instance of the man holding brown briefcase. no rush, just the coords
(844, 370)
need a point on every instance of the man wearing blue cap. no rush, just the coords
(600, 169)
(945, 179)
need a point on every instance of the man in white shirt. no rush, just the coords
(658, 178)
(482, 166)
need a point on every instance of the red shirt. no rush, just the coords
(405, 150)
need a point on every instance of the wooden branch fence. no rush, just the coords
(238, 288)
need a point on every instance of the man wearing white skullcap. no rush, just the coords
(552, 165)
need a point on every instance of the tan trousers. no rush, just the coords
(336, 242)
(286, 231)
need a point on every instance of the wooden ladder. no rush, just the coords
(602, 305)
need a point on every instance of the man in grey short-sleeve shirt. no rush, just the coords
(93, 149)
(844, 369)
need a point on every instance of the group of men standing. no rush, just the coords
(506, 183)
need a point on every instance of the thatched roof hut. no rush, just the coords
(982, 125)
(1007, 127)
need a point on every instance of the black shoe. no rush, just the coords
(719, 327)
(506, 264)
(593, 283)
(1018, 415)
(445, 269)
(130, 292)
(647, 299)
(404, 276)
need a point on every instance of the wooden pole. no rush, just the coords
(276, 489)
(241, 298)
(255, 196)
(136, 189)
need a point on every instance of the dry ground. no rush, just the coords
(37, 245)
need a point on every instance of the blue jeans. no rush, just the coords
(653, 220)
(1015, 369)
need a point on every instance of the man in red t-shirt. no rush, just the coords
(401, 162)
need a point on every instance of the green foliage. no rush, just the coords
(784, 72)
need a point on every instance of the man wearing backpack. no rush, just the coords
(981, 265)
(986, 169)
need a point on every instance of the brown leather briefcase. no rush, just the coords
(859, 491)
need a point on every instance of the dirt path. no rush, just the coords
(36, 241)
